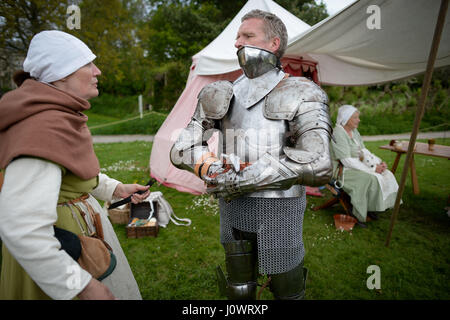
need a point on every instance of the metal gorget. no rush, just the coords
(256, 61)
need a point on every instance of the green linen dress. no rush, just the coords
(16, 284)
(363, 188)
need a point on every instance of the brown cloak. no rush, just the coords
(42, 121)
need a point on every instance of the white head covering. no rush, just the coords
(53, 55)
(344, 113)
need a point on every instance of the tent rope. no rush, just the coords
(122, 121)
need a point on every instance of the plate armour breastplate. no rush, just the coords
(248, 134)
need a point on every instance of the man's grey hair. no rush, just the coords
(273, 27)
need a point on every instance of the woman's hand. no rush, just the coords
(95, 290)
(125, 190)
(380, 167)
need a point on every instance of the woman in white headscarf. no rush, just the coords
(370, 185)
(51, 176)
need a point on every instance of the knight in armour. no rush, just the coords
(274, 134)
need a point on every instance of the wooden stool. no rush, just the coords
(338, 197)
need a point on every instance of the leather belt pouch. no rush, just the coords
(92, 254)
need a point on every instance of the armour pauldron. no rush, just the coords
(293, 96)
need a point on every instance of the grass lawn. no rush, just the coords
(180, 263)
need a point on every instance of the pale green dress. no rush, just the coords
(363, 188)
(16, 284)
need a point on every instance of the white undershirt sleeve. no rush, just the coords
(105, 189)
(376, 159)
(28, 203)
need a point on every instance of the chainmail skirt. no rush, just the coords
(278, 223)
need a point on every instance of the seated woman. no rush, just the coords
(51, 176)
(370, 185)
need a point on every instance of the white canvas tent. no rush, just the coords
(346, 50)
(349, 53)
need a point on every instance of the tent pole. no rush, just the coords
(419, 111)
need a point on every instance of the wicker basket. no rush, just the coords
(141, 232)
(119, 216)
(142, 211)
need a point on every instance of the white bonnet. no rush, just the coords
(53, 55)
(344, 113)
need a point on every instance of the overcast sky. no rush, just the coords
(334, 6)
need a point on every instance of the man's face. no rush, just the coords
(251, 32)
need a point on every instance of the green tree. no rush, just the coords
(173, 33)
(111, 28)
(108, 27)
(178, 31)
(306, 10)
(19, 21)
